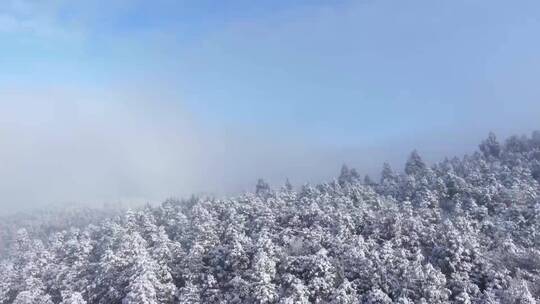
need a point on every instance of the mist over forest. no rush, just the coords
(463, 230)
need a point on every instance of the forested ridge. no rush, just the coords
(464, 230)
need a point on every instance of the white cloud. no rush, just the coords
(27, 16)
(51, 19)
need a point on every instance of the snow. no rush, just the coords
(460, 231)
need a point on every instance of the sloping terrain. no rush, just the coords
(460, 231)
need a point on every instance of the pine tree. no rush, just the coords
(344, 294)
(8, 275)
(264, 271)
(32, 296)
(262, 188)
(288, 185)
(190, 294)
(296, 293)
(376, 296)
(345, 175)
(415, 166)
(72, 298)
(142, 290)
(491, 147)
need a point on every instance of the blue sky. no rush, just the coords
(249, 83)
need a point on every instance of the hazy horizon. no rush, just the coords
(105, 101)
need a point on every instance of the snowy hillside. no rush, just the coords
(465, 230)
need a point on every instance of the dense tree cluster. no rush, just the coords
(460, 231)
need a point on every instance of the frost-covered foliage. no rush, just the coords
(40, 224)
(461, 231)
